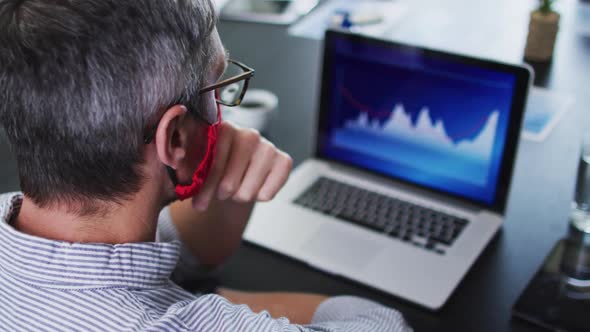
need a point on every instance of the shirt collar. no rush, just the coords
(60, 264)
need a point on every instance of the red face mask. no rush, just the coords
(202, 172)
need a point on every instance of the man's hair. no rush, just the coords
(81, 80)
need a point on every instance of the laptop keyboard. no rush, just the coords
(420, 226)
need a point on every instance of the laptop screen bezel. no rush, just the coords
(522, 76)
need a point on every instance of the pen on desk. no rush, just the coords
(346, 20)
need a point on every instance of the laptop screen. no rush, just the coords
(436, 121)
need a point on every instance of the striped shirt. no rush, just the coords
(48, 285)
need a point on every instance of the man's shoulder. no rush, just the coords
(212, 312)
(173, 306)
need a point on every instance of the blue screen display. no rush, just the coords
(428, 120)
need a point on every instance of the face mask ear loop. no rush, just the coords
(172, 175)
(184, 192)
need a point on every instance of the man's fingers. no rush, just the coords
(201, 201)
(260, 165)
(277, 177)
(246, 168)
(244, 144)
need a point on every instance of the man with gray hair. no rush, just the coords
(112, 110)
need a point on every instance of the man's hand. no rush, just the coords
(247, 168)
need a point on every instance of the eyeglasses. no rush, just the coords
(233, 84)
(229, 91)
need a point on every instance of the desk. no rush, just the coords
(536, 218)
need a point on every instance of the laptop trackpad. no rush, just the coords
(339, 247)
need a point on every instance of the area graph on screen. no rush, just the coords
(423, 142)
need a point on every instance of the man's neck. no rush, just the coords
(134, 221)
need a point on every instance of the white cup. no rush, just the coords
(255, 111)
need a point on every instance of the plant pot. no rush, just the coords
(542, 35)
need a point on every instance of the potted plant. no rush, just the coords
(543, 26)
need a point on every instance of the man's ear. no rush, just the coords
(172, 136)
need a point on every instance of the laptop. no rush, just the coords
(414, 156)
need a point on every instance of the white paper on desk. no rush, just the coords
(544, 110)
(315, 23)
(485, 29)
